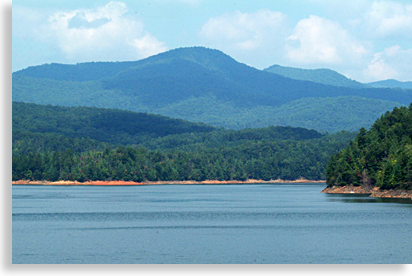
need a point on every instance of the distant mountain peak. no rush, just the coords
(321, 75)
(211, 59)
(391, 83)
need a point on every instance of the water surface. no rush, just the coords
(212, 224)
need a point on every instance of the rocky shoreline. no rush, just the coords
(131, 183)
(371, 191)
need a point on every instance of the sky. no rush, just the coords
(364, 40)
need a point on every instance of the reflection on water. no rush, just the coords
(359, 198)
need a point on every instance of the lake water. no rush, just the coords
(207, 224)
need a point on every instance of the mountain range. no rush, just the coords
(205, 85)
(330, 77)
(324, 76)
(392, 83)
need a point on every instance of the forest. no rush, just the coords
(287, 159)
(379, 157)
(49, 143)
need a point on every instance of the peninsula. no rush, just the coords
(378, 161)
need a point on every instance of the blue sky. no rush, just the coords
(362, 39)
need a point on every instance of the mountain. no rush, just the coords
(205, 85)
(330, 77)
(392, 84)
(324, 76)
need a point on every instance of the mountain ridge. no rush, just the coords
(391, 83)
(321, 75)
(196, 84)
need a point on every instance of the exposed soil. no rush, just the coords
(121, 183)
(372, 191)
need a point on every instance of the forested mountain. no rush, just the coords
(392, 84)
(55, 143)
(119, 127)
(106, 125)
(324, 76)
(204, 85)
(381, 156)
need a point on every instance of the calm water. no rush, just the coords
(286, 223)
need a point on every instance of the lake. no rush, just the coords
(207, 224)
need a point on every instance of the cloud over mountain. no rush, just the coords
(322, 41)
(104, 33)
(366, 40)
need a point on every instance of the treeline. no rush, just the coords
(380, 157)
(286, 159)
(79, 143)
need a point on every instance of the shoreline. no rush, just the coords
(186, 182)
(371, 191)
(348, 189)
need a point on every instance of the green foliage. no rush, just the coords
(50, 127)
(64, 150)
(106, 125)
(381, 156)
(285, 159)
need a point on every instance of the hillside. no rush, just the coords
(379, 157)
(105, 125)
(324, 76)
(101, 127)
(82, 143)
(202, 85)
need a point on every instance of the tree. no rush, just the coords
(151, 175)
(362, 138)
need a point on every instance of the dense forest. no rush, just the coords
(55, 143)
(379, 157)
(106, 125)
(287, 159)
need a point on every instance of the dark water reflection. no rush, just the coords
(356, 198)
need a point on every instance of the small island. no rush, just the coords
(378, 162)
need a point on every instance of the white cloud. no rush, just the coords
(349, 36)
(244, 31)
(186, 2)
(388, 18)
(248, 37)
(102, 34)
(392, 63)
(316, 40)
